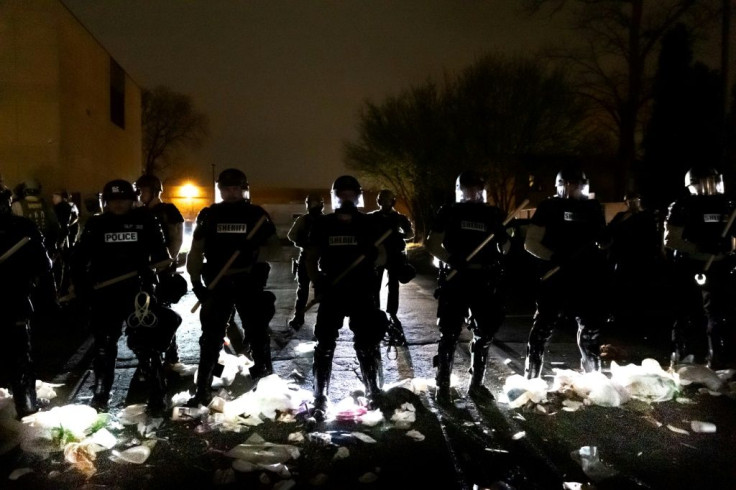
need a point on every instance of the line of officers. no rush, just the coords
(124, 269)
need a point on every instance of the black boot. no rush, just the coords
(590, 349)
(533, 363)
(369, 359)
(718, 347)
(322, 370)
(24, 396)
(262, 365)
(104, 371)
(478, 360)
(156, 385)
(443, 361)
(205, 372)
(297, 321)
(101, 391)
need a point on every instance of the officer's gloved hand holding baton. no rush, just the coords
(458, 263)
(203, 293)
(724, 245)
(82, 290)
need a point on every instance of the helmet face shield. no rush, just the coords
(707, 186)
(704, 182)
(470, 186)
(338, 198)
(471, 194)
(573, 190)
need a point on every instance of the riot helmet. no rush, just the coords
(633, 201)
(386, 198)
(119, 189)
(233, 177)
(150, 182)
(346, 188)
(314, 203)
(572, 183)
(31, 187)
(705, 181)
(470, 186)
(6, 197)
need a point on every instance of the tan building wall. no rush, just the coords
(55, 103)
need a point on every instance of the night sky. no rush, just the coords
(282, 81)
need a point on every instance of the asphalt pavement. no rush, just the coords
(467, 446)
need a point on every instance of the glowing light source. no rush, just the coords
(189, 190)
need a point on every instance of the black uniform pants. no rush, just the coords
(367, 322)
(303, 282)
(708, 308)
(567, 295)
(470, 295)
(16, 363)
(254, 306)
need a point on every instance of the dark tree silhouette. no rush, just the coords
(170, 122)
(491, 117)
(685, 127)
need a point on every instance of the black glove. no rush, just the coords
(560, 260)
(371, 254)
(456, 262)
(716, 247)
(201, 292)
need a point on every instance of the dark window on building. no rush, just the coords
(117, 94)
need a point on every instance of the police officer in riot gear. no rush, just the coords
(223, 230)
(24, 259)
(697, 234)
(341, 238)
(299, 236)
(32, 205)
(122, 240)
(475, 286)
(397, 263)
(171, 285)
(565, 232)
(636, 258)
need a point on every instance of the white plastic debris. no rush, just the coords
(647, 382)
(295, 437)
(404, 416)
(18, 472)
(104, 438)
(363, 437)
(47, 431)
(266, 453)
(273, 395)
(518, 435)
(368, 477)
(341, 453)
(593, 467)
(702, 427)
(305, 348)
(82, 456)
(185, 414)
(519, 390)
(45, 391)
(415, 434)
(133, 414)
(133, 455)
(696, 373)
(571, 405)
(371, 418)
(677, 430)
